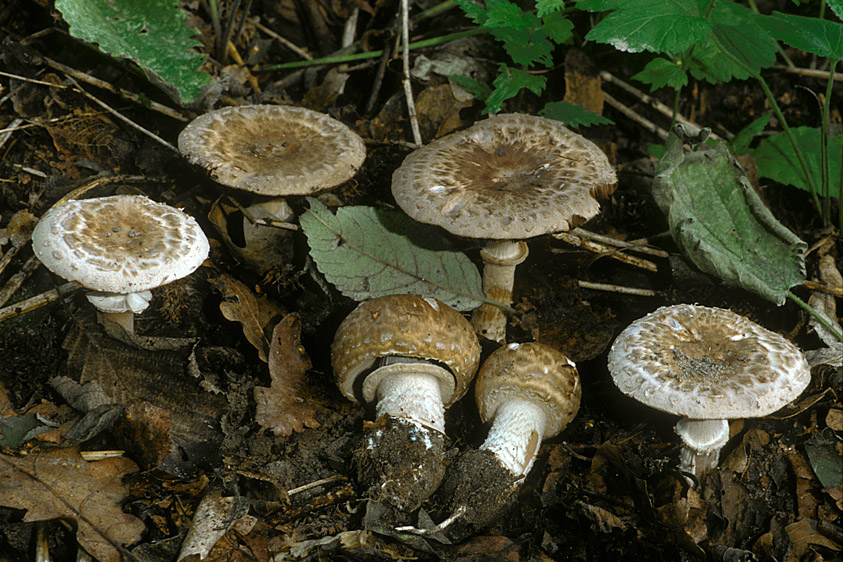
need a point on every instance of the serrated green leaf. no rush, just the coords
(508, 83)
(721, 224)
(545, 7)
(777, 160)
(573, 115)
(819, 37)
(503, 13)
(152, 34)
(740, 142)
(477, 89)
(708, 63)
(836, 7)
(559, 28)
(474, 11)
(661, 72)
(659, 26)
(367, 252)
(754, 50)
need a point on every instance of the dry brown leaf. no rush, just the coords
(487, 548)
(287, 405)
(60, 483)
(803, 534)
(254, 313)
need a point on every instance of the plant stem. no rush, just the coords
(824, 148)
(819, 317)
(375, 54)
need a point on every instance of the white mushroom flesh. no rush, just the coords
(516, 435)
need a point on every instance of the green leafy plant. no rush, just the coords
(151, 34)
(718, 41)
(529, 39)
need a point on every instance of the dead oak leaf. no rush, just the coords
(287, 405)
(254, 313)
(60, 483)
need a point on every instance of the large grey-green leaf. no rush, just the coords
(721, 224)
(150, 33)
(367, 252)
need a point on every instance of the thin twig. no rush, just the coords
(654, 103)
(405, 80)
(120, 116)
(602, 249)
(234, 54)
(286, 42)
(6, 134)
(823, 288)
(262, 221)
(822, 74)
(96, 82)
(644, 122)
(15, 281)
(31, 80)
(632, 246)
(616, 289)
(33, 303)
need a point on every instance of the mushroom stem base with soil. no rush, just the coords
(500, 257)
(701, 444)
(413, 394)
(516, 435)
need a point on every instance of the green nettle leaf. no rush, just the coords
(509, 82)
(819, 37)
(559, 28)
(708, 63)
(477, 89)
(721, 224)
(661, 72)
(545, 7)
(503, 13)
(777, 160)
(659, 26)
(735, 28)
(527, 44)
(740, 142)
(836, 7)
(475, 12)
(152, 34)
(367, 252)
(573, 115)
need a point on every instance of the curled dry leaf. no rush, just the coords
(287, 405)
(254, 313)
(60, 483)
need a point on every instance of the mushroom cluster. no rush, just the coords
(504, 179)
(706, 365)
(120, 247)
(412, 357)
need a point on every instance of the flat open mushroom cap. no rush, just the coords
(119, 244)
(534, 372)
(405, 326)
(706, 363)
(508, 177)
(273, 150)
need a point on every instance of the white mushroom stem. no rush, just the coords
(500, 257)
(701, 444)
(411, 390)
(120, 308)
(516, 435)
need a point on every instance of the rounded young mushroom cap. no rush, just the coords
(404, 326)
(531, 372)
(273, 150)
(706, 363)
(508, 177)
(119, 244)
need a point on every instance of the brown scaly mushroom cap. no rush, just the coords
(405, 326)
(119, 244)
(708, 365)
(510, 176)
(529, 392)
(273, 150)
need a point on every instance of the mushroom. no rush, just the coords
(272, 151)
(505, 179)
(413, 357)
(120, 247)
(529, 392)
(707, 365)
